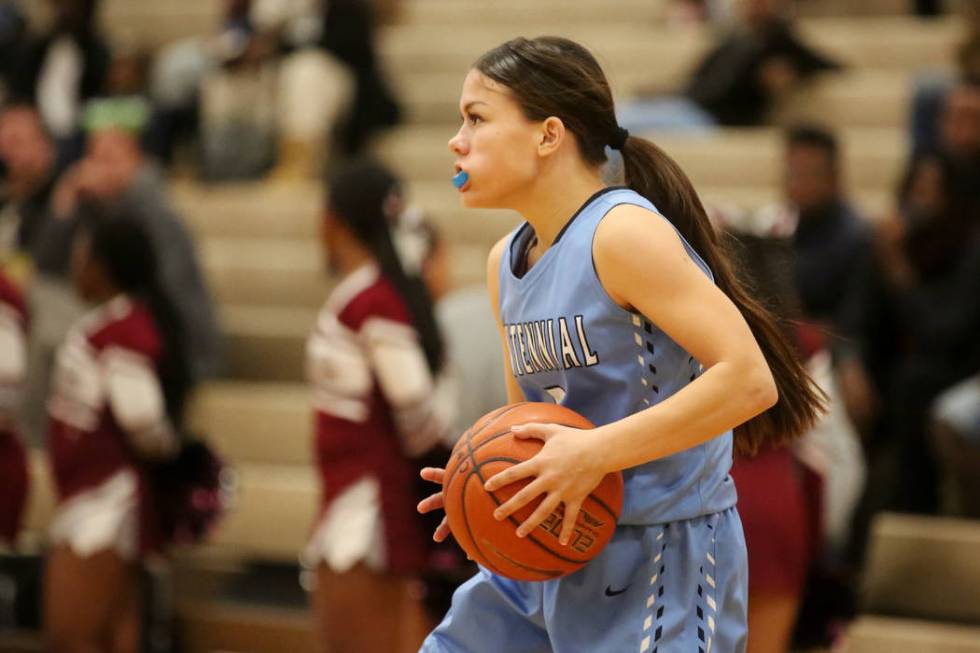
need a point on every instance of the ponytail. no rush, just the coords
(175, 373)
(654, 175)
(122, 245)
(362, 195)
(413, 291)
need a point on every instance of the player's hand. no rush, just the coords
(435, 501)
(565, 471)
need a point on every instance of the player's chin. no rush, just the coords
(472, 198)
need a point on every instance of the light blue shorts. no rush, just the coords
(681, 586)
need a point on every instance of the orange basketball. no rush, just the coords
(489, 447)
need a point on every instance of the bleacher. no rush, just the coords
(260, 248)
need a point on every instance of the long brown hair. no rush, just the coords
(553, 76)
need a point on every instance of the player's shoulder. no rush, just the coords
(630, 229)
(377, 299)
(125, 323)
(496, 255)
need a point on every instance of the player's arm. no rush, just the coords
(644, 267)
(514, 392)
(421, 405)
(137, 403)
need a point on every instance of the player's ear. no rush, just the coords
(552, 133)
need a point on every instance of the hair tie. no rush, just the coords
(619, 138)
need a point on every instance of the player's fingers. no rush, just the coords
(431, 502)
(568, 523)
(533, 430)
(547, 506)
(524, 496)
(434, 474)
(442, 531)
(511, 474)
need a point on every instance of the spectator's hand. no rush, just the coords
(890, 235)
(68, 192)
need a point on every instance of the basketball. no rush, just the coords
(489, 447)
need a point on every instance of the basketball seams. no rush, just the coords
(469, 530)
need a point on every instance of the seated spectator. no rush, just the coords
(27, 153)
(270, 53)
(62, 68)
(737, 83)
(926, 285)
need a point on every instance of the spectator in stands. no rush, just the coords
(760, 62)
(373, 361)
(933, 87)
(115, 172)
(922, 303)
(27, 153)
(202, 84)
(115, 406)
(62, 68)
(349, 35)
(13, 367)
(830, 240)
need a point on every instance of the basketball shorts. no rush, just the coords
(681, 586)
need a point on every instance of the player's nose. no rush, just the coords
(457, 144)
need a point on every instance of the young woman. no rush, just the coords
(372, 363)
(13, 367)
(119, 386)
(654, 341)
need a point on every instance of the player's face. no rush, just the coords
(496, 145)
(84, 270)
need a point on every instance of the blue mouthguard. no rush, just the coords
(460, 178)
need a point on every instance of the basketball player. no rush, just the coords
(13, 364)
(372, 363)
(119, 385)
(618, 303)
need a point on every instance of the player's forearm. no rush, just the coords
(723, 397)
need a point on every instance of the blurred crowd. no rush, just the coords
(886, 308)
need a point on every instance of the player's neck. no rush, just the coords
(556, 196)
(348, 259)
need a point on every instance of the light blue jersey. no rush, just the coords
(674, 577)
(570, 342)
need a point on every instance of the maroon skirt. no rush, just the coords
(779, 503)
